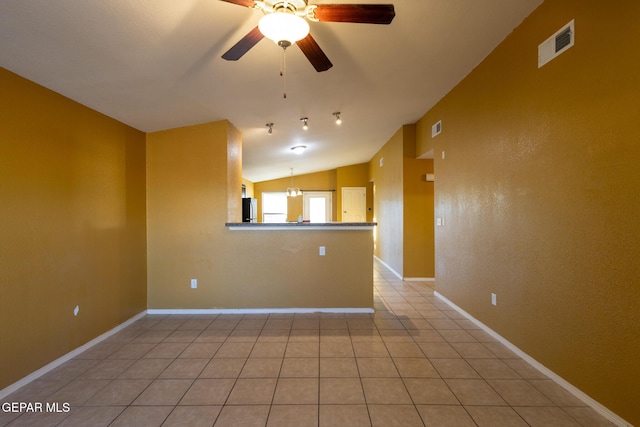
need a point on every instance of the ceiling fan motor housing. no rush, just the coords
(293, 5)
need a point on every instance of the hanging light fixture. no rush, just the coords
(338, 119)
(305, 124)
(270, 126)
(283, 26)
(293, 191)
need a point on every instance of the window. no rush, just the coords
(274, 207)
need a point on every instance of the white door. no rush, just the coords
(317, 206)
(354, 204)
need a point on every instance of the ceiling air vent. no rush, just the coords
(558, 43)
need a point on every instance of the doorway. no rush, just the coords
(317, 206)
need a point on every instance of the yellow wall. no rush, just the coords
(387, 202)
(319, 181)
(234, 174)
(282, 269)
(72, 186)
(403, 206)
(332, 180)
(187, 194)
(418, 219)
(539, 190)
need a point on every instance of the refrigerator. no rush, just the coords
(249, 209)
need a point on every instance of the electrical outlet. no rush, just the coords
(194, 283)
(494, 299)
(322, 251)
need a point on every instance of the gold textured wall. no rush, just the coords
(187, 195)
(403, 206)
(187, 187)
(332, 180)
(387, 201)
(418, 219)
(282, 269)
(318, 181)
(539, 189)
(72, 191)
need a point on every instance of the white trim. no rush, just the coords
(398, 275)
(256, 310)
(59, 361)
(406, 279)
(598, 407)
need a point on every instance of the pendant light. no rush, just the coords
(293, 191)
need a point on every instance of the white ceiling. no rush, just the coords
(156, 64)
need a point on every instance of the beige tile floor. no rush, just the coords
(415, 362)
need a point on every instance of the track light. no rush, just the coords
(304, 120)
(338, 119)
(270, 126)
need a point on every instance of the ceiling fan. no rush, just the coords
(285, 22)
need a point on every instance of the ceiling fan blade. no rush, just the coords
(314, 54)
(243, 46)
(358, 13)
(247, 3)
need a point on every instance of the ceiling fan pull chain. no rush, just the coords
(283, 67)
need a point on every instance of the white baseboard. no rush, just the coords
(602, 410)
(257, 310)
(59, 361)
(398, 275)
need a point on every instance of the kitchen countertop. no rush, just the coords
(300, 225)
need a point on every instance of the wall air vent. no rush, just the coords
(436, 129)
(558, 43)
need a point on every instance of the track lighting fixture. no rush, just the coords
(304, 120)
(338, 119)
(270, 126)
(299, 149)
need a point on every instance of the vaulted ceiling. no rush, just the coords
(156, 64)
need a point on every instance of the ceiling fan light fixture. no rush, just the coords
(283, 28)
